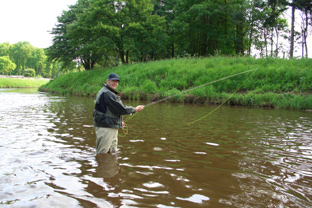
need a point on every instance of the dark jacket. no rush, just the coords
(109, 109)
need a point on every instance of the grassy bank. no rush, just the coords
(8, 82)
(275, 82)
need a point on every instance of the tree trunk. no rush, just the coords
(122, 56)
(265, 42)
(306, 33)
(276, 44)
(127, 57)
(292, 36)
(86, 64)
(233, 28)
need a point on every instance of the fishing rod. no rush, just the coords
(125, 129)
(193, 88)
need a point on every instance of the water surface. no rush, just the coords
(236, 157)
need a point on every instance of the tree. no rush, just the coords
(305, 7)
(6, 65)
(273, 24)
(5, 49)
(292, 29)
(106, 29)
(166, 9)
(254, 19)
(39, 59)
(25, 56)
(147, 40)
(267, 25)
(238, 25)
(20, 53)
(204, 27)
(67, 45)
(107, 32)
(121, 27)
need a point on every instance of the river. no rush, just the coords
(235, 157)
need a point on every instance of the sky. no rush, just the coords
(32, 21)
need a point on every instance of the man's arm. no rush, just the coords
(116, 106)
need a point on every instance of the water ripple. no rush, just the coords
(237, 157)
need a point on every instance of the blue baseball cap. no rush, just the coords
(113, 76)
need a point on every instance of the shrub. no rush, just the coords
(29, 73)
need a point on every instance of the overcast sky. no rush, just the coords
(32, 21)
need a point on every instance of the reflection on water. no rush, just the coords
(236, 157)
(108, 166)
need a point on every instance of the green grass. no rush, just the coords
(277, 83)
(7, 82)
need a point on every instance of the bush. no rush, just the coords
(29, 73)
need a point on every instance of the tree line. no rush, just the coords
(106, 33)
(24, 59)
(113, 32)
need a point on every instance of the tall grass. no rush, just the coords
(7, 82)
(275, 82)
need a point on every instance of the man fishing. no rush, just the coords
(107, 115)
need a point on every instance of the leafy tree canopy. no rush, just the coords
(107, 32)
(6, 65)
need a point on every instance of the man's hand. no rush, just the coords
(139, 108)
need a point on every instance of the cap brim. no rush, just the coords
(115, 79)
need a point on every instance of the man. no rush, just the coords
(107, 115)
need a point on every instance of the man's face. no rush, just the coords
(112, 83)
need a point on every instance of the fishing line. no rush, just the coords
(125, 128)
(222, 103)
(193, 88)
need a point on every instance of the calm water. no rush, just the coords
(236, 157)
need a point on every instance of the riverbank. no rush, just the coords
(271, 82)
(21, 82)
